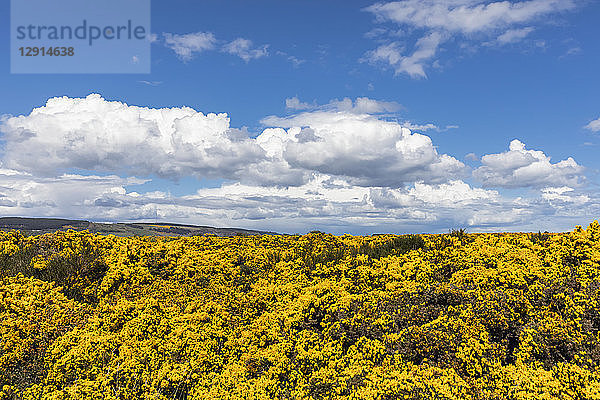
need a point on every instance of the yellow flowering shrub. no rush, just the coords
(453, 316)
(33, 314)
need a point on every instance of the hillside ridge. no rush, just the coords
(31, 226)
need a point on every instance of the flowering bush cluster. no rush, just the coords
(455, 316)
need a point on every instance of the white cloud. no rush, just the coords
(439, 21)
(323, 202)
(367, 150)
(361, 105)
(336, 205)
(454, 194)
(389, 53)
(514, 35)
(188, 45)
(344, 140)
(572, 52)
(375, 33)
(151, 83)
(425, 49)
(420, 127)
(520, 167)
(471, 157)
(243, 48)
(327, 200)
(594, 125)
(296, 62)
(368, 106)
(294, 103)
(564, 194)
(25, 194)
(466, 16)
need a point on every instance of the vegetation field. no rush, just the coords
(453, 316)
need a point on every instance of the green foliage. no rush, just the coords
(388, 245)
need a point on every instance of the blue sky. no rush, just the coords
(356, 117)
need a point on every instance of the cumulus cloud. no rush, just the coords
(361, 147)
(94, 134)
(344, 140)
(244, 49)
(520, 167)
(188, 45)
(439, 21)
(594, 125)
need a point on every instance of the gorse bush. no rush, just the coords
(453, 316)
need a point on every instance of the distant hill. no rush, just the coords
(36, 226)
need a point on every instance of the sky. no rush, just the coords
(352, 117)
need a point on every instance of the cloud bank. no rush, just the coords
(341, 167)
(110, 136)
